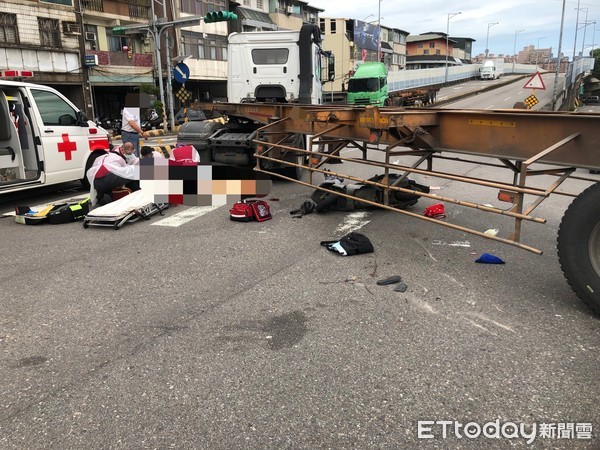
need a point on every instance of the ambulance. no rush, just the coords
(44, 138)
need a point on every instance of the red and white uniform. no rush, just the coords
(112, 162)
(185, 154)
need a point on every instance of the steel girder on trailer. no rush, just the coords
(526, 143)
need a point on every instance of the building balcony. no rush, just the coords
(123, 59)
(134, 9)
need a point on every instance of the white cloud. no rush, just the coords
(539, 20)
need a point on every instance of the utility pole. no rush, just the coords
(156, 28)
(515, 50)
(488, 37)
(88, 104)
(379, 34)
(450, 16)
(555, 90)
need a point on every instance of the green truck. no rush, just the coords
(369, 86)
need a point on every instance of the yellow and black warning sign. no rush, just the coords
(531, 101)
(183, 95)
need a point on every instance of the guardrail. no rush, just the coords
(409, 79)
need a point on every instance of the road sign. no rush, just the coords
(531, 101)
(535, 82)
(181, 73)
(183, 95)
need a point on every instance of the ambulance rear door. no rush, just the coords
(64, 134)
(18, 158)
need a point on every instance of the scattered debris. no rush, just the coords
(487, 258)
(351, 244)
(389, 280)
(436, 211)
(491, 232)
(402, 287)
(307, 207)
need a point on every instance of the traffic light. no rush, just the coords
(118, 30)
(219, 16)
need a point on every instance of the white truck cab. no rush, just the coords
(44, 138)
(278, 66)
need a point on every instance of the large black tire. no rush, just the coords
(296, 173)
(88, 164)
(579, 246)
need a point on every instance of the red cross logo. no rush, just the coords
(67, 147)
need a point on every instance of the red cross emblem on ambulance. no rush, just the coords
(67, 147)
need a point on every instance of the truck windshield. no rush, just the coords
(270, 56)
(363, 85)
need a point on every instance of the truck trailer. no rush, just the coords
(541, 146)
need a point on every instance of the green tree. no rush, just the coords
(596, 56)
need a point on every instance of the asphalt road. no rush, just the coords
(219, 334)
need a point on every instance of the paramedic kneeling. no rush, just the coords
(115, 169)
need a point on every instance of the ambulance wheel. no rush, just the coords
(88, 164)
(579, 246)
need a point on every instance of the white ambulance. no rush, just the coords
(44, 138)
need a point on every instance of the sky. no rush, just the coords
(539, 19)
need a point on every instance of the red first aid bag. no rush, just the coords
(249, 210)
(241, 212)
(261, 210)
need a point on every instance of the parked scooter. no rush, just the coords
(153, 121)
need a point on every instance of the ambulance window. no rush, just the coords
(270, 55)
(53, 109)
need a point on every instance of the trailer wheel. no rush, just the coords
(293, 172)
(579, 246)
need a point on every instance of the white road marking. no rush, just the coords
(185, 216)
(507, 98)
(352, 222)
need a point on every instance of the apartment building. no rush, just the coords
(432, 49)
(71, 45)
(43, 37)
(354, 42)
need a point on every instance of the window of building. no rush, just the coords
(49, 32)
(432, 45)
(59, 2)
(270, 55)
(332, 24)
(426, 52)
(246, 2)
(259, 4)
(203, 7)
(438, 52)
(116, 43)
(91, 37)
(322, 25)
(420, 45)
(9, 33)
(212, 46)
